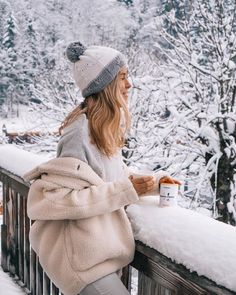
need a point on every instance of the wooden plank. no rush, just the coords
(4, 249)
(21, 238)
(46, 285)
(15, 228)
(4, 229)
(55, 290)
(39, 278)
(164, 277)
(144, 285)
(149, 286)
(27, 246)
(5, 173)
(32, 272)
(126, 277)
(15, 182)
(4, 185)
(163, 270)
(12, 208)
(7, 222)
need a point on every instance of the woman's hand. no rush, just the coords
(168, 179)
(143, 184)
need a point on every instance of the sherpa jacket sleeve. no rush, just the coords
(50, 203)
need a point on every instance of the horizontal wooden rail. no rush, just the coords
(25, 136)
(157, 274)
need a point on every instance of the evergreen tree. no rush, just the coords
(9, 63)
(4, 12)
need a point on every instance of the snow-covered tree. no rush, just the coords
(202, 54)
(46, 27)
(4, 11)
(10, 64)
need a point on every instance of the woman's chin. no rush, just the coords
(126, 98)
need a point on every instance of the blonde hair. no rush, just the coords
(104, 113)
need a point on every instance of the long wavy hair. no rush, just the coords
(108, 118)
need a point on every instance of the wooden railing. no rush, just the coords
(17, 257)
(157, 274)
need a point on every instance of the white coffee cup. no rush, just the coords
(168, 194)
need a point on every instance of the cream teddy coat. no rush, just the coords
(81, 231)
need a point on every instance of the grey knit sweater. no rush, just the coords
(75, 142)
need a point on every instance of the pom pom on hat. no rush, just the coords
(74, 51)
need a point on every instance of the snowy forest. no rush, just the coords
(182, 65)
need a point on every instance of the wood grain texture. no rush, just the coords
(173, 276)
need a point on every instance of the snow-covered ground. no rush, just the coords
(28, 120)
(8, 286)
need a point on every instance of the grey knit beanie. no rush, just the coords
(94, 67)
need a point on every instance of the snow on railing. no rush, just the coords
(18, 161)
(201, 244)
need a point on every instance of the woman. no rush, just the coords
(81, 232)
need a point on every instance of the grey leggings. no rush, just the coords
(108, 285)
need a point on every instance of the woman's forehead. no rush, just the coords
(123, 70)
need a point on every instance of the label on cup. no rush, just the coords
(168, 194)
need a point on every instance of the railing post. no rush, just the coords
(33, 272)
(21, 238)
(126, 277)
(39, 278)
(4, 227)
(4, 247)
(149, 286)
(46, 285)
(55, 290)
(27, 246)
(13, 231)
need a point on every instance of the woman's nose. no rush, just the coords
(128, 84)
